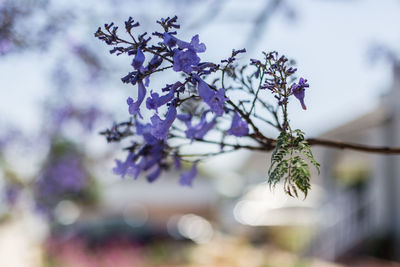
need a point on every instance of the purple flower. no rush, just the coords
(154, 175)
(298, 91)
(160, 127)
(177, 162)
(188, 177)
(154, 63)
(214, 99)
(12, 193)
(153, 156)
(134, 107)
(239, 127)
(169, 40)
(145, 131)
(199, 130)
(184, 60)
(147, 158)
(194, 44)
(138, 59)
(185, 56)
(217, 101)
(122, 167)
(155, 101)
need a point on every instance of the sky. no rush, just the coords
(329, 40)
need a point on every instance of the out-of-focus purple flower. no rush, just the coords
(153, 155)
(89, 117)
(188, 176)
(138, 59)
(239, 127)
(199, 130)
(134, 107)
(145, 131)
(298, 90)
(122, 167)
(65, 175)
(154, 175)
(12, 192)
(5, 46)
(160, 127)
(177, 162)
(214, 99)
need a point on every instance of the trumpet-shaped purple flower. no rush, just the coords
(214, 99)
(185, 60)
(160, 127)
(169, 40)
(194, 44)
(298, 90)
(188, 177)
(138, 59)
(145, 131)
(155, 101)
(154, 175)
(199, 130)
(217, 102)
(239, 127)
(185, 56)
(134, 107)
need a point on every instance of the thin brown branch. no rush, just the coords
(354, 146)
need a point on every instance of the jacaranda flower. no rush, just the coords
(185, 56)
(199, 130)
(214, 99)
(154, 175)
(145, 131)
(239, 127)
(188, 177)
(160, 127)
(138, 59)
(122, 167)
(194, 44)
(184, 60)
(298, 91)
(134, 107)
(155, 101)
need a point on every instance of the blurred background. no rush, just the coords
(61, 205)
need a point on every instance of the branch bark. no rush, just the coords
(354, 146)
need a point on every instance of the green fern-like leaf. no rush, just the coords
(288, 163)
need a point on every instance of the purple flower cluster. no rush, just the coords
(63, 177)
(189, 108)
(185, 56)
(278, 72)
(150, 158)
